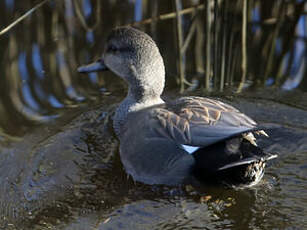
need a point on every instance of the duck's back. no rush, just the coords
(194, 121)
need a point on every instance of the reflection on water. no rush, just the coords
(59, 165)
(40, 55)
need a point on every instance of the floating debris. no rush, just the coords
(228, 205)
(107, 220)
(189, 188)
(204, 199)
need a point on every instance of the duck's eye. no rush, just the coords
(112, 48)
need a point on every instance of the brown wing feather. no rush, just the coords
(201, 121)
(208, 110)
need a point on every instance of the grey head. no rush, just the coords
(134, 56)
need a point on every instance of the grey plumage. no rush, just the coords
(152, 131)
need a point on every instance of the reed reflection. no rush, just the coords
(39, 56)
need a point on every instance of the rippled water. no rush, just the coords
(70, 177)
(59, 162)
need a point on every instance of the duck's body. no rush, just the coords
(172, 142)
(191, 136)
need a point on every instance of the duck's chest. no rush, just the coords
(129, 106)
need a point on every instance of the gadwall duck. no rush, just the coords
(174, 142)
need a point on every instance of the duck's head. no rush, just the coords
(134, 56)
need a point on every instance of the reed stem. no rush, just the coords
(6, 29)
(243, 44)
(208, 45)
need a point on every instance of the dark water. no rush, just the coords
(59, 163)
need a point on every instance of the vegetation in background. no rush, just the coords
(215, 45)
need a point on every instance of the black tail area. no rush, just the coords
(234, 161)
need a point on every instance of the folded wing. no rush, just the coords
(198, 121)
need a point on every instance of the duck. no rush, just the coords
(174, 142)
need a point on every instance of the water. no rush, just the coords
(59, 161)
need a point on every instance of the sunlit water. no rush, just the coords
(59, 161)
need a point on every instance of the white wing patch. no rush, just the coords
(190, 149)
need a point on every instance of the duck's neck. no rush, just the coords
(146, 84)
(136, 100)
